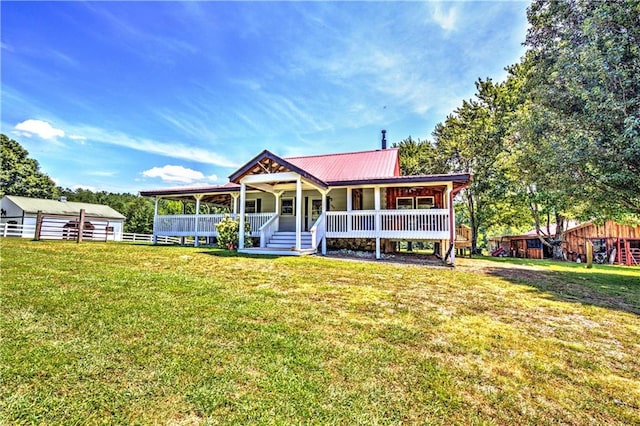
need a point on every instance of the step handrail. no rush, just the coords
(318, 231)
(268, 229)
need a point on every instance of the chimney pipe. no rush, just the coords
(384, 139)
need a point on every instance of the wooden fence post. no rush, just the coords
(38, 226)
(589, 248)
(81, 226)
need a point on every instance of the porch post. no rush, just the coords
(235, 203)
(243, 194)
(349, 208)
(277, 206)
(376, 200)
(196, 243)
(324, 225)
(298, 213)
(155, 221)
(452, 224)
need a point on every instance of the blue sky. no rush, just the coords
(125, 96)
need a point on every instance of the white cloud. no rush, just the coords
(77, 137)
(102, 173)
(40, 128)
(172, 150)
(447, 19)
(85, 187)
(178, 174)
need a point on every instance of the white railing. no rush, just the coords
(268, 229)
(177, 225)
(431, 224)
(14, 230)
(257, 221)
(184, 225)
(133, 237)
(318, 231)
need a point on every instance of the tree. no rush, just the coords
(469, 141)
(585, 59)
(418, 157)
(20, 175)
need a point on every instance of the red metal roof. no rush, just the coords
(351, 165)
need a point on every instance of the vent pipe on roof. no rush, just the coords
(384, 139)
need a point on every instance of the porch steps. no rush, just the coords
(287, 240)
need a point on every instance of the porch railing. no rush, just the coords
(431, 224)
(268, 229)
(184, 225)
(318, 231)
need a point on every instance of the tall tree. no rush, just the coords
(20, 175)
(585, 58)
(469, 141)
(418, 157)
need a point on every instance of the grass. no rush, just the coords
(102, 333)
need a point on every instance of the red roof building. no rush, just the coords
(296, 204)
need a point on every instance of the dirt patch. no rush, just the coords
(395, 258)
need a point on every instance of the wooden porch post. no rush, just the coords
(196, 243)
(376, 198)
(155, 220)
(299, 214)
(243, 195)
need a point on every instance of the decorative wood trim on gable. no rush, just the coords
(268, 163)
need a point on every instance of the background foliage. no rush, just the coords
(559, 139)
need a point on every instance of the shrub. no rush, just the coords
(228, 235)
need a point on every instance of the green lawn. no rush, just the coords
(107, 333)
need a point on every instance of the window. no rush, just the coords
(404, 203)
(536, 243)
(287, 207)
(599, 245)
(424, 202)
(250, 206)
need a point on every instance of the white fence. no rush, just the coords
(20, 231)
(50, 232)
(133, 237)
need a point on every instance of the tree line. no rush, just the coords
(559, 139)
(21, 175)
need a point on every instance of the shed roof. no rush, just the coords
(34, 205)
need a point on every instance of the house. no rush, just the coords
(612, 243)
(297, 204)
(60, 218)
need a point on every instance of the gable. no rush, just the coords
(334, 168)
(268, 163)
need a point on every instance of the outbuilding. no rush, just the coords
(60, 219)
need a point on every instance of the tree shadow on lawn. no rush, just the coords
(603, 288)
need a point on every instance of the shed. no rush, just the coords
(60, 218)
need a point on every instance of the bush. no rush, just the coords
(228, 235)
